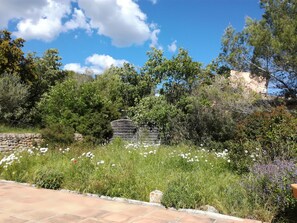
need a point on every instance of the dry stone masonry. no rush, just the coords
(9, 141)
(128, 131)
(125, 129)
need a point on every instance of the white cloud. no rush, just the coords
(15, 9)
(95, 64)
(45, 24)
(154, 38)
(154, 1)
(172, 47)
(76, 67)
(121, 20)
(78, 20)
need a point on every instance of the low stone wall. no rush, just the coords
(9, 141)
(128, 131)
(125, 129)
(148, 135)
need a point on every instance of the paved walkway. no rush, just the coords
(22, 203)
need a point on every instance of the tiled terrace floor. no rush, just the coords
(22, 203)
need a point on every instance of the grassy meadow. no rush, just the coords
(189, 177)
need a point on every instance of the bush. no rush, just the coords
(156, 111)
(80, 106)
(276, 131)
(271, 184)
(215, 109)
(48, 178)
(263, 136)
(13, 96)
(182, 193)
(58, 134)
(244, 154)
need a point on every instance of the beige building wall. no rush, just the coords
(254, 83)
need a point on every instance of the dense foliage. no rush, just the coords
(266, 47)
(81, 107)
(189, 103)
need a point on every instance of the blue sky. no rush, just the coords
(94, 34)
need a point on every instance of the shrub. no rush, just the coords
(48, 178)
(156, 111)
(276, 131)
(58, 134)
(215, 109)
(182, 193)
(80, 106)
(271, 183)
(13, 96)
(244, 154)
(263, 136)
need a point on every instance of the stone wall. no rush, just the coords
(249, 81)
(125, 129)
(9, 141)
(128, 131)
(148, 135)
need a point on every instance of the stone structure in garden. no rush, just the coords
(249, 81)
(9, 141)
(128, 131)
(125, 129)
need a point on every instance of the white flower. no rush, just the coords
(228, 161)
(113, 165)
(100, 162)
(30, 151)
(246, 151)
(43, 150)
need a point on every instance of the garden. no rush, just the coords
(189, 176)
(222, 143)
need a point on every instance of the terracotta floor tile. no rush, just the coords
(114, 217)
(65, 218)
(25, 204)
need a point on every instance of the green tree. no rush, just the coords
(12, 58)
(176, 77)
(13, 96)
(48, 73)
(81, 107)
(125, 85)
(213, 110)
(155, 111)
(266, 47)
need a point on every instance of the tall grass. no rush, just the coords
(9, 129)
(189, 177)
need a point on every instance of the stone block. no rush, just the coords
(156, 196)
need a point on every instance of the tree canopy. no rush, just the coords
(266, 47)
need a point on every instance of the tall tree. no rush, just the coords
(267, 47)
(175, 77)
(12, 58)
(48, 73)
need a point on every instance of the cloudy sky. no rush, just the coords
(95, 34)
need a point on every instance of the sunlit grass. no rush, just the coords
(9, 129)
(127, 171)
